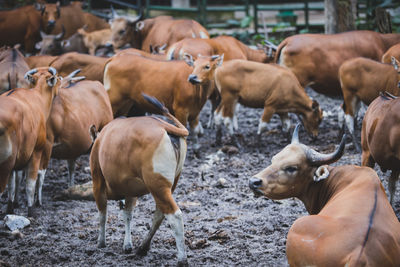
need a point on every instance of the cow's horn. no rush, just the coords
(29, 73)
(137, 18)
(317, 159)
(114, 14)
(214, 57)
(72, 74)
(295, 136)
(59, 36)
(52, 71)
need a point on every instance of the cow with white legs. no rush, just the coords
(23, 116)
(135, 156)
(361, 80)
(351, 222)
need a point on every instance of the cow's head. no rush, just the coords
(293, 169)
(203, 67)
(312, 118)
(51, 43)
(74, 43)
(124, 30)
(43, 79)
(50, 14)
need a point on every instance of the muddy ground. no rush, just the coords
(225, 224)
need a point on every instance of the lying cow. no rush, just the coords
(362, 79)
(23, 116)
(12, 69)
(315, 58)
(135, 156)
(256, 85)
(379, 137)
(351, 222)
(127, 75)
(77, 107)
(393, 51)
(160, 30)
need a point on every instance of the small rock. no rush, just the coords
(87, 169)
(221, 182)
(14, 222)
(230, 150)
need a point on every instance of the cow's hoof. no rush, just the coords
(142, 251)
(31, 212)
(128, 248)
(101, 245)
(38, 204)
(183, 263)
(10, 208)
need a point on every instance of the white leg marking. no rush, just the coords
(164, 159)
(349, 123)
(198, 130)
(127, 219)
(228, 122)
(286, 123)
(218, 118)
(102, 230)
(210, 122)
(341, 117)
(30, 190)
(11, 187)
(176, 223)
(235, 120)
(71, 172)
(41, 174)
(262, 126)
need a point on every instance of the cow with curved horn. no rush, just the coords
(351, 222)
(160, 30)
(51, 43)
(23, 116)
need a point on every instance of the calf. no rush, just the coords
(257, 85)
(135, 156)
(50, 44)
(91, 66)
(380, 135)
(351, 222)
(127, 75)
(393, 51)
(315, 58)
(161, 30)
(96, 39)
(12, 69)
(362, 79)
(23, 116)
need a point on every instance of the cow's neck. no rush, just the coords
(390, 39)
(46, 95)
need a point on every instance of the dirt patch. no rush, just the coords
(225, 224)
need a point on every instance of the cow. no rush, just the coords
(23, 116)
(160, 30)
(51, 43)
(351, 222)
(39, 61)
(78, 107)
(72, 17)
(227, 45)
(362, 79)
(127, 75)
(135, 156)
(315, 58)
(95, 39)
(379, 137)
(21, 26)
(393, 51)
(256, 85)
(12, 69)
(91, 66)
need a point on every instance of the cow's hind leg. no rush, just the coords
(158, 217)
(394, 176)
(71, 172)
(11, 193)
(129, 204)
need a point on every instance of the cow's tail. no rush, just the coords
(93, 135)
(179, 129)
(279, 51)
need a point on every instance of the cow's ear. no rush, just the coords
(188, 59)
(220, 60)
(39, 6)
(52, 81)
(38, 45)
(139, 26)
(321, 173)
(65, 43)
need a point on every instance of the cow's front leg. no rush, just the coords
(31, 178)
(129, 204)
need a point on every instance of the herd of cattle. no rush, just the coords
(170, 65)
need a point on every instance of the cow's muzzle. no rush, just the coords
(193, 79)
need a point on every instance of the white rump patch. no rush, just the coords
(106, 80)
(281, 59)
(203, 35)
(164, 159)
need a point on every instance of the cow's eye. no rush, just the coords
(121, 32)
(207, 67)
(290, 169)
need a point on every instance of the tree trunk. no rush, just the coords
(340, 15)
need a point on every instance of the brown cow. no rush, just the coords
(155, 31)
(393, 51)
(12, 69)
(39, 61)
(77, 107)
(51, 44)
(127, 75)
(95, 39)
(315, 58)
(362, 79)
(256, 85)
(21, 26)
(380, 137)
(136, 156)
(91, 66)
(23, 117)
(351, 222)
